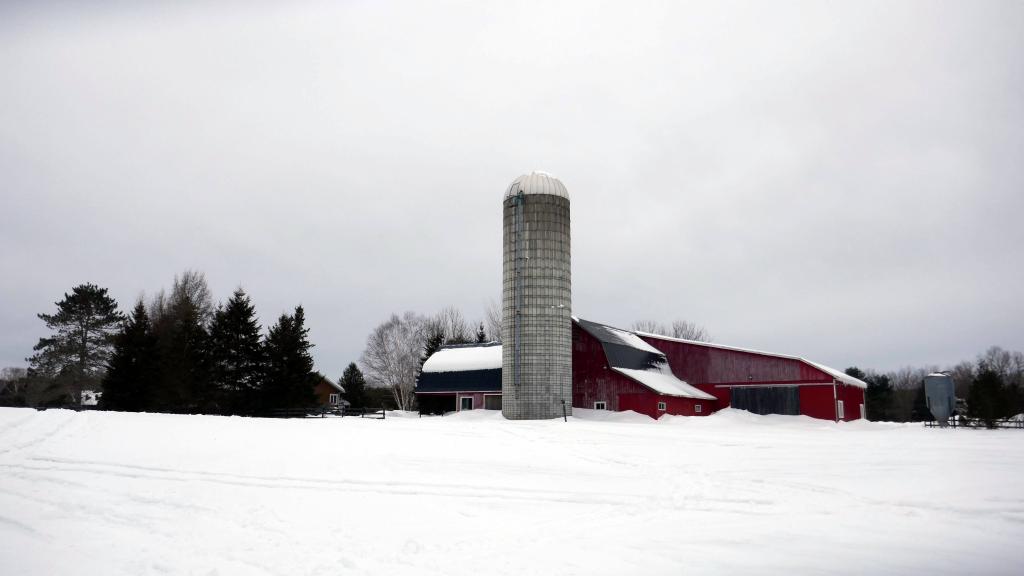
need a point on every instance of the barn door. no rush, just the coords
(767, 399)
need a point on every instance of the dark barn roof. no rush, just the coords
(465, 381)
(622, 348)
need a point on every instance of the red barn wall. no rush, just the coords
(816, 402)
(708, 368)
(647, 403)
(593, 381)
(853, 399)
(702, 365)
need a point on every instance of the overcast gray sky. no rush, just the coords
(842, 181)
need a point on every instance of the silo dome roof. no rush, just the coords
(537, 182)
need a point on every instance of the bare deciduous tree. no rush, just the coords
(492, 320)
(1008, 365)
(190, 289)
(158, 307)
(451, 323)
(12, 380)
(651, 327)
(682, 329)
(689, 331)
(392, 357)
(963, 375)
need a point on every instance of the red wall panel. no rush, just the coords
(699, 364)
(593, 381)
(816, 402)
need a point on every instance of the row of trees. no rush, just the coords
(176, 353)
(992, 386)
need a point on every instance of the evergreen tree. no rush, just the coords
(434, 341)
(879, 398)
(289, 378)
(987, 397)
(481, 334)
(86, 322)
(355, 386)
(236, 355)
(132, 371)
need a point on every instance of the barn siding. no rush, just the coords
(716, 370)
(647, 403)
(593, 381)
(702, 365)
(816, 402)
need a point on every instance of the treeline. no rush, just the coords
(991, 387)
(175, 353)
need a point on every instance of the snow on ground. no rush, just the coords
(109, 493)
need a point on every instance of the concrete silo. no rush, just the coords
(536, 329)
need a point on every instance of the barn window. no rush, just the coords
(600, 406)
(696, 408)
(839, 410)
(661, 406)
(333, 399)
(465, 403)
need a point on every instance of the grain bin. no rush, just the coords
(940, 396)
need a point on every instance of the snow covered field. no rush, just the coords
(107, 493)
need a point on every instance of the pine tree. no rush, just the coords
(289, 378)
(879, 398)
(86, 322)
(987, 397)
(435, 340)
(236, 355)
(132, 371)
(481, 334)
(355, 386)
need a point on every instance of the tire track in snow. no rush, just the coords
(22, 527)
(38, 437)
(388, 487)
(713, 504)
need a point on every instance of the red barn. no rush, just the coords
(615, 369)
(763, 382)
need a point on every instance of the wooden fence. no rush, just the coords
(978, 423)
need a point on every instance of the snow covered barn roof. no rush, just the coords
(537, 182)
(462, 368)
(463, 357)
(637, 360)
(837, 375)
